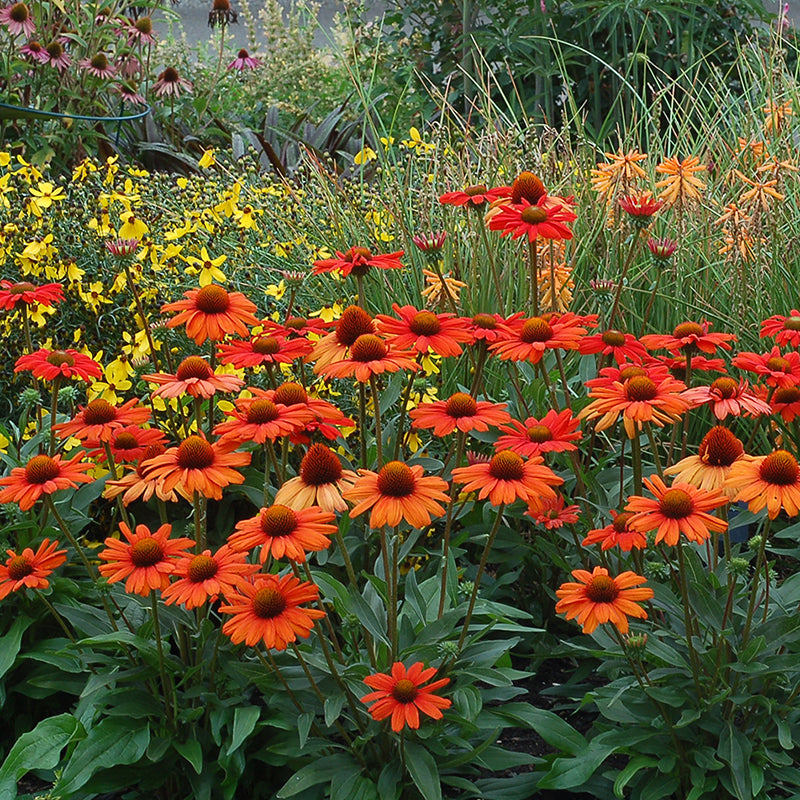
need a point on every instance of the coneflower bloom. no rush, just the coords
(651, 368)
(137, 485)
(369, 355)
(398, 492)
(506, 478)
(269, 610)
(327, 419)
(689, 336)
(99, 66)
(353, 323)
(259, 418)
(640, 207)
(129, 92)
(460, 411)
(555, 432)
(197, 465)
(43, 475)
(719, 450)
(473, 196)
(622, 346)
(599, 598)
(194, 377)
(212, 312)
(357, 261)
(140, 30)
(99, 420)
(546, 219)
(617, 533)
(295, 327)
(771, 482)
(170, 84)
(784, 329)
(487, 327)
(679, 509)
(662, 248)
(282, 532)
(424, 331)
(55, 56)
(244, 61)
(12, 294)
(727, 396)
(127, 444)
(527, 339)
(321, 481)
(553, 513)
(681, 183)
(402, 694)
(17, 18)
(262, 349)
(204, 577)
(33, 50)
(30, 569)
(221, 13)
(786, 402)
(145, 560)
(677, 365)
(778, 369)
(51, 364)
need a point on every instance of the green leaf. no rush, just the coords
(734, 749)
(390, 782)
(423, 770)
(554, 730)
(627, 774)
(304, 722)
(785, 735)
(10, 643)
(192, 752)
(333, 707)
(319, 771)
(244, 721)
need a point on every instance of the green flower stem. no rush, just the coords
(688, 621)
(376, 412)
(140, 311)
(200, 522)
(360, 289)
(654, 448)
(123, 512)
(563, 374)
(391, 611)
(547, 382)
(362, 423)
(625, 267)
(492, 268)
(636, 459)
(461, 440)
(331, 630)
(398, 442)
(480, 361)
(212, 363)
(26, 327)
(348, 564)
(533, 268)
(650, 302)
(515, 383)
(54, 413)
(166, 688)
(762, 547)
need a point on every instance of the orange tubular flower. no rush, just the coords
(11, 294)
(193, 377)
(459, 411)
(621, 346)
(771, 482)
(683, 508)
(284, 533)
(546, 219)
(99, 420)
(554, 432)
(506, 478)
(779, 370)
(727, 396)
(269, 610)
(261, 349)
(258, 418)
(709, 469)
(197, 465)
(30, 569)
(785, 330)
(617, 534)
(401, 695)
(211, 312)
(205, 576)
(320, 483)
(527, 339)
(424, 331)
(43, 475)
(689, 336)
(145, 561)
(353, 323)
(681, 183)
(398, 492)
(599, 598)
(51, 364)
(369, 355)
(357, 261)
(127, 444)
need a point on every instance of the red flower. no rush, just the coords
(43, 475)
(424, 331)
(128, 443)
(614, 343)
(779, 370)
(785, 329)
(51, 364)
(527, 339)
(641, 207)
(358, 260)
(554, 432)
(459, 411)
(786, 402)
(30, 569)
(327, 419)
(369, 355)
(259, 418)
(12, 294)
(727, 396)
(487, 327)
(553, 514)
(263, 348)
(546, 219)
(617, 533)
(474, 196)
(194, 377)
(689, 336)
(99, 420)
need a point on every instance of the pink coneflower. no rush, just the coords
(99, 66)
(129, 92)
(129, 66)
(18, 19)
(244, 61)
(140, 31)
(33, 50)
(170, 84)
(56, 56)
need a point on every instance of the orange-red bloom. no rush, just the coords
(784, 329)
(527, 339)
(547, 218)
(43, 475)
(357, 261)
(327, 419)
(781, 370)
(689, 336)
(771, 482)
(473, 196)
(401, 695)
(353, 323)
(614, 343)
(786, 402)
(30, 569)
(136, 484)
(269, 610)
(617, 533)
(599, 598)
(553, 514)
(727, 396)
(398, 492)
(369, 355)
(127, 444)
(11, 294)
(99, 420)
(487, 327)
(194, 377)
(51, 364)
(424, 331)
(259, 418)
(145, 561)
(459, 411)
(554, 432)
(320, 483)
(263, 348)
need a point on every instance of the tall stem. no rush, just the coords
(376, 413)
(533, 269)
(626, 266)
(165, 686)
(461, 440)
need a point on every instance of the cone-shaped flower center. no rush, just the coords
(262, 411)
(368, 347)
(125, 440)
(19, 12)
(791, 394)
(527, 186)
(59, 357)
(613, 338)
(626, 373)
(620, 523)
(211, 299)
(539, 434)
(41, 469)
(278, 521)
(687, 329)
(536, 329)
(485, 321)
(533, 215)
(290, 394)
(144, 25)
(353, 323)
(54, 50)
(19, 567)
(320, 465)
(21, 288)
(295, 323)
(676, 504)
(725, 386)
(99, 61)
(266, 345)
(268, 603)
(195, 453)
(243, 54)
(425, 323)
(358, 255)
(779, 468)
(474, 191)
(506, 466)
(602, 589)
(221, 5)
(778, 364)
(641, 389)
(201, 568)
(396, 480)
(194, 367)
(146, 552)
(720, 448)
(792, 323)
(461, 405)
(99, 412)
(404, 691)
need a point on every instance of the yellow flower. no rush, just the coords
(93, 296)
(245, 216)
(182, 182)
(365, 155)
(276, 291)
(207, 159)
(119, 370)
(5, 159)
(44, 195)
(681, 185)
(4, 440)
(38, 313)
(112, 168)
(83, 170)
(416, 142)
(132, 228)
(74, 272)
(103, 227)
(209, 268)
(387, 141)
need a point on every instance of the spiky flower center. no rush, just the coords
(19, 567)
(320, 466)
(368, 347)
(99, 412)
(726, 387)
(144, 25)
(778, 364)
(59, 357)
(201, 568)
(21, 288)
(54, 50)
(779, 468)
(626, 373)
(243, 54)
(290, 394)
(221, 5)
(194, 367)
(146, 552)
(195, 453)
(485, 321)
(539, 434)
(602, 589)
(353, 323)
(620, 523)
(792, 323)
(790, 394)
(533, 215)
(425, 323)
(99, 62)
(19, 13)
(125, 440)
(211, 299)
(527, 186)
(676, 504)
(404, 691)
(295, 323)
(41, 469)
(461, 405)
(686, 329)
(268, 603)
(278, 520)
(396, 480)
(358, 255)
(266, 345)
(641, 389)
(536, 329)
(262, 411)
(507, 466)
(720, 448)
(613, 338)
(474, 191)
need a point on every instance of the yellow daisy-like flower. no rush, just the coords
(365, 155)
(209, 268)
(415, 142)
(207, 160)
(43, 196)
(132, 227)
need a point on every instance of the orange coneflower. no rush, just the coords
(327, 419)
(771, 481)
(398, 492)
(263, 348)
(127, 444)
(51, 364)
(136, 484)
(617, 533)
(268, 610)
(681, 183)
(779, 369)
(552, 513)
(320, 483)
(205, 576)
(506, 478)
(709, 469)
(145, 561)
(357, 261)
(547, 218)
(785, 329)
(30, 569)
(43, 475)
(460, 411)
(681, 508)
(353, 323)
(786, 402)
(621, 346)
(11, 294)
(211, 312)
(554, 432)
(599, 598)
(650, 368)
(677, 365)
(474, 196)
(282, 532)
(487, 327)
(258, 418)
(194, 377)
(689, 336)
(197, 465)
(727, 396)
(527, 339)
(401, 695)
(424, 331)
(369, 355)
(100, 420)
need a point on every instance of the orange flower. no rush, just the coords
(621, 346)
(194, 377)
(459, 411)
(599, 598)
(320, 483)
(681, 185)
(357, 261)
(51, 364)
(327, 419)
(353, 323)
(282, 532)
(258, 418)
(369, 355)
(145, 561)
(99, 420)
(402, 696)
(554, 432)
(547, 218)
(785, 330)
(683, 508)
(136, 485)
(263, 348)
(709, 469)
(127, 444)
(204, 576)
(424, 331)
(553, 514)
(506, 478)
(617, 533)
(781, 370)
(30, 569)
(211, 312)
(621, 175)
(398, 492)
(527, 339)
(689, 336)
(269, 610)
(727, 396)
(786, 402)
(43, 475)
(771, 481)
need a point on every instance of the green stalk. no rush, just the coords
(461, 439)
(626, 266)
(533, 297)
(165, 685)
(376, 412)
